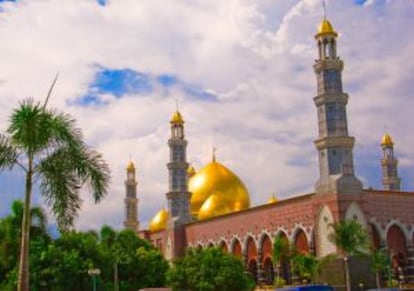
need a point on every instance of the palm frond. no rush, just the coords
(8, 153)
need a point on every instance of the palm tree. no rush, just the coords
(48, 147)
(351, 239)
(280, 251)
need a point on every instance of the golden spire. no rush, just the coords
(387, 140)
(130, 166)
(190, 171)
(325, 27)
(272, 199)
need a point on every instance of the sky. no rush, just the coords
(241, 71)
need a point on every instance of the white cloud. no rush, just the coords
(256, 56)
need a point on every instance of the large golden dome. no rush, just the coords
(159, 222)
(229, 192)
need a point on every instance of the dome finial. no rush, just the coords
(214, 154)
(130, 166)
(324, 9)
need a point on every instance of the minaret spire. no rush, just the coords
(334, 145)
(131, 200)
(324, 9)
(389, 163)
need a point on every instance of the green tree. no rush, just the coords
(10, 231)
(209, 269)
(129, 262)
(306, 266)
(380, 263)
(351, 239)
(280, 252)
(47, 146)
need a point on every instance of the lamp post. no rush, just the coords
(94, 273)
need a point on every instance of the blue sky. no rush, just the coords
(241, 72)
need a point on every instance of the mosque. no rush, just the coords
(211, 207)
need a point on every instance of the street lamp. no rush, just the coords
(94, 273)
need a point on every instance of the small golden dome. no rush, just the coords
(131, 166)
(272, 199)
(387, 140)
(219, 180)
(177, 118)
(213, 206)
(159, 222)
(325, 28)
(190, 171)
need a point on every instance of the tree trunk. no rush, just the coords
(116, 281)
(377, 277)
(347, 276)
(23, 279)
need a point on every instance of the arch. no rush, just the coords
(397, 245)
(354, 212)
(251, 249)
(268, 272)
(266, 246)
(400, 225)
(199, 246)
(252, 267)
(236, 248)
(282, 267)
(301, 242)
(210, 244)
(323, 229)
(282, 232)
(223, 246)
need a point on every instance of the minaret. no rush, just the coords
(389, 163)
(334, 144)
(131, 201)
(178, 195)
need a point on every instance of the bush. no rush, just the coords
(279, 282)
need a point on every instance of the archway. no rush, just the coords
(268, 272)
(223, 246)
(397, 245)
(301, 242)
(267, 263)
(253, 269)
(237, 249)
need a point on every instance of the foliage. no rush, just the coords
(280, 251)
(62, 264)
(209, 269)
(306, 266)
(350, 237)
(47, 146)
(279, 282)
(380, 263)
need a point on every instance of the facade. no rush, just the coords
(211, 207)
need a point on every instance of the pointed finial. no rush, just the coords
(176, 104)
(214, 154)
(324, 9)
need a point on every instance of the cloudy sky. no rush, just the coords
(241, 71)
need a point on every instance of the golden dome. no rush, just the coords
(177, 118)
(217, 179)
(213, 206)
(159, 222)
(325, 28)
(387, 140)
(131, 166)
(272, 199)
(190, 171)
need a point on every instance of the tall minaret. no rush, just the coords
(131, 201)
(389, 163)
(334, 144)
(178, 195)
